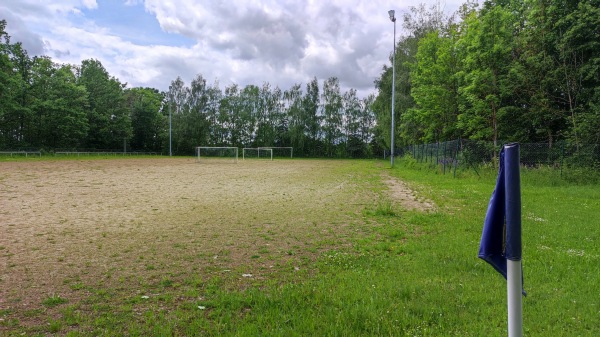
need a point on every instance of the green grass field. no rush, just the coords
(339, 258)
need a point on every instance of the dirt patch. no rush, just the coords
(400, 192)
(69, 228)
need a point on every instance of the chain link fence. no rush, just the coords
(470, 154)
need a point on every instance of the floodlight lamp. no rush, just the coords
(392, 17)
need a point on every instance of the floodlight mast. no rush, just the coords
(170, 133)
(393, 19)
(170, 123)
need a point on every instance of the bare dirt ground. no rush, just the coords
(123, 224)
(401, 193)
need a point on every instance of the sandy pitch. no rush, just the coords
(119, 223)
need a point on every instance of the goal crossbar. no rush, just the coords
(258, 149)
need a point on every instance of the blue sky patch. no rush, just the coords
(131, 23)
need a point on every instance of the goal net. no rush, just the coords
(212, 153)
(257, 153)
(280, 151)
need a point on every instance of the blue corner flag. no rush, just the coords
(501, 237)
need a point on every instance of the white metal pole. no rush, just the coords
(515, 299)
(170, 128)
(393, 90)
(513, 241)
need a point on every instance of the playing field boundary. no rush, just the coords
(104, 153)
(26, 153)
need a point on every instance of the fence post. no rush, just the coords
(456, 156)
(437, 154)
(429, 152)
(562, 156)
(444, 158)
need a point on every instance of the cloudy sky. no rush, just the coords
(151, 42)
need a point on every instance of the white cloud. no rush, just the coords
(245, 42)
(91, 4)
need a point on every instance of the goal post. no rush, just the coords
(280, 151)
(257, 152)
(204, 153)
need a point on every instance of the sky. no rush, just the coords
(149, 43)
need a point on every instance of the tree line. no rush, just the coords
(50, 106)
(512, 70)
(317, 122)
(526, 71)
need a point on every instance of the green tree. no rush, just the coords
(281, 121)
(108, 116)
(585, 31)
(406, 133)
(230, 116)
(367, 123)
(332, 116)
(67, 125)
(41, 104)
(269, 115)
(59, 106)
(577, 28)
(249, 115)
(418, 22)
(15, 114)
(312, 118)
(10, 83)
(216, 129)
(176, 109)
(298, 131)
(147, 119)
(352, 120)
(488, 43)
(435, 87)
(193, 128)
(556, 76)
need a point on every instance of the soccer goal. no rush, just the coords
(280, 151)
(224, 153)
(257, 153)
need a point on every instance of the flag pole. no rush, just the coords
(514, 271)
(514, 293)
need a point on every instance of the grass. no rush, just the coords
(387, 271)
(54, 300)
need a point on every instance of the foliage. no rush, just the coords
(52, 107)
(524, 71)
(435, 87)
(149, 124)
(515, 70)
(108, 117)
(330, 124)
